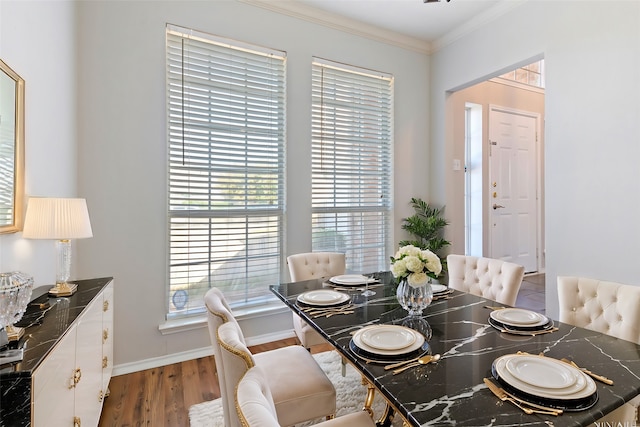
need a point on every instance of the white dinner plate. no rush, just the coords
(389, 337)
(437, 288)
(519, 317)
(351, 279)
(538, 372)
(357, 340)
(323, 297)
(583, 387)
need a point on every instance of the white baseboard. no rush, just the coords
(154, 362)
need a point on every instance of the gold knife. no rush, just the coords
(501, 394)
(404, 362)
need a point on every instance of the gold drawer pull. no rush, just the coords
(77, 375)
(105, 335)
(76, 422)
(105, 362)
(105, 305)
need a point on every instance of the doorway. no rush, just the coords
(503, 172)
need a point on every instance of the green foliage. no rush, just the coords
(426, 225)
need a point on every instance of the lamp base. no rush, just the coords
(63, 289)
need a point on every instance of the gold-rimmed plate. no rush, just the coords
(389, 337)
(351, 280)
(415, 345)
(519, 317)
(539, 373)
(323, 297)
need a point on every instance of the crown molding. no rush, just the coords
(341, 23)
(351, 26)
(476, 22)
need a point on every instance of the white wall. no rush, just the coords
(37, 40)
(592, 57)
(122, 152)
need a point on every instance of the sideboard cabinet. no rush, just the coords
(64, 375)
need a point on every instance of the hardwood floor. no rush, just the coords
(161, 397)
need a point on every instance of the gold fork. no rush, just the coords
(530, 407)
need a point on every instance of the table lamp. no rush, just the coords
(60, 220)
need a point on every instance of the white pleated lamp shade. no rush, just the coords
(56, 219)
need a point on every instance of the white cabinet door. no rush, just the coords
(107, 337)
(89, 361)
(70, 382)
(53, 385)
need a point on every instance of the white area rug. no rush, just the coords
(350, 394)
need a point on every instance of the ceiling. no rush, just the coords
(412, 23)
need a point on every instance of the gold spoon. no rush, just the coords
(422, 361)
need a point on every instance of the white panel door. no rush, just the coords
(513, 198)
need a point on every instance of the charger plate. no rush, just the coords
(520, 330)
(544, 377)
(379, 358)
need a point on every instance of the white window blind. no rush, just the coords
(352, 130)
(226, 130)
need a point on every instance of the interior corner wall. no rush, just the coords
(592, 129)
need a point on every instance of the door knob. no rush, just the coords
(497, 206)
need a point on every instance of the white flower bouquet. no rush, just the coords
(416, 265)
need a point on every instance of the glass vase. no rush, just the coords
(414, 299)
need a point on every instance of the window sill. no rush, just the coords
(175, 326)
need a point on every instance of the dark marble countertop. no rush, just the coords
(46, 321)
(452, 392)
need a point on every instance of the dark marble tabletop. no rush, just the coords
(452, 391)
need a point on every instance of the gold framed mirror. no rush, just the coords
(11, 149)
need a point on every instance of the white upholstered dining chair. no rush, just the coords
(607, 307)
(489, 278)
(301, 390)
(307, 266)
(256, 408)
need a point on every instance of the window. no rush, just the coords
(531, 75)
(225, 106)
(352, 164)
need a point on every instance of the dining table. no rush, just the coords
(456, 326)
